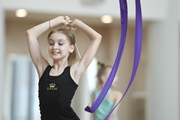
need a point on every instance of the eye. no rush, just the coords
(60, 43)
(51, 43)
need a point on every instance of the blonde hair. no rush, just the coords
(66, 30)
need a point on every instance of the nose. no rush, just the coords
(55, 46)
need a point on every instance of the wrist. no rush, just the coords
(50, 27)
(54, 22)
(78, 22)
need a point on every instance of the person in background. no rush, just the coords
(110, 100)
(58, 82)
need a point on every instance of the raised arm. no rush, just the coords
(32, 35)
(91, 50)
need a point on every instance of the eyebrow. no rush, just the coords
(56, 40)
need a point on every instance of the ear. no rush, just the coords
(71, 48)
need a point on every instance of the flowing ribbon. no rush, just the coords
(137, 53)
(137, 50)
(124, 21)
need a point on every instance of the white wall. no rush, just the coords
(152, 9)
(163, 67)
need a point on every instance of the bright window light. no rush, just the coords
(106, 19)
(21, 13)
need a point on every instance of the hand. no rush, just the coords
(73, 23)
(63, 19)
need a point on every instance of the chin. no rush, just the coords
(55, 58)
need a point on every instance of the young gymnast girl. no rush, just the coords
(58, 82)
(110, 100)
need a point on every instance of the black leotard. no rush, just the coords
(55, 95)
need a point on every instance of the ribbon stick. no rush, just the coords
(137, 49)
(124, 21)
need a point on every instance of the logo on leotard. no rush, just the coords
(52, 86)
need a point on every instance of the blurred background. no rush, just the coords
(155, 93)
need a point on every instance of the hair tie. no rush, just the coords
(50, 27)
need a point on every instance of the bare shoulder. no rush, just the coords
(74, 69)
(117, 93)
(76, 72)
(41, 69)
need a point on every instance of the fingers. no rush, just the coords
(67, 18)
(70, 23)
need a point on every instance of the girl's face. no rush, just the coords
(59, 46)
(106, 75)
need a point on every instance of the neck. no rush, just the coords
(60, 65)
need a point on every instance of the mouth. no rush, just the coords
(55, 52)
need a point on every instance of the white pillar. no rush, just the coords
(82, 97)
(163, 101)
(20, 89)
(2, 39)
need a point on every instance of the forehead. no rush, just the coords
(58, 36)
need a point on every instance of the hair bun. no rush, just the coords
(66, 28)
(70, 28)
(101, 64)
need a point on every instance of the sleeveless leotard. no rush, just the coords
(55, 95)
(105, 107)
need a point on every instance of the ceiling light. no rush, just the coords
(106, 19)
(21, 13)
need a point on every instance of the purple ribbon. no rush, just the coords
(123, 7)
(137, 50)
(137, 53)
